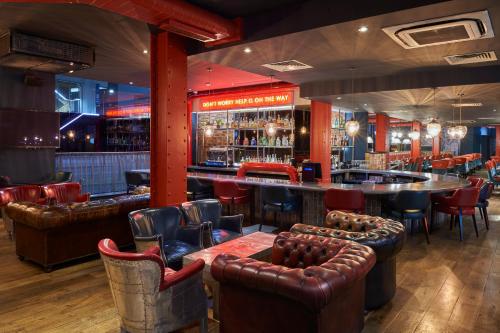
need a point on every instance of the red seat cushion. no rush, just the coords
(456, 210)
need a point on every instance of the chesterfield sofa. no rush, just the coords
(386, 237)
(51, 235)
(314, 284)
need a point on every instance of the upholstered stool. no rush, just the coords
(386, 237)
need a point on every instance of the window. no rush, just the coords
(68, 97)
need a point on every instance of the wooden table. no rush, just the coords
(257, 245)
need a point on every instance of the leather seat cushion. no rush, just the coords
(222, 235)
(277, 207)
(236, 200)
(175, 250)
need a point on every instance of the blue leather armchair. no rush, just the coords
(161, 227)
(217, 229)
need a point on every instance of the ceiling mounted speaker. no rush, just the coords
(451, 29)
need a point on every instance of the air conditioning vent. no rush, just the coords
(471, 58)
(467, 104)
(287, 66)
(463, 122)
(452, 29)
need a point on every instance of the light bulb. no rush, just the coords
(352, 127)
(433, 128)
(303, 130)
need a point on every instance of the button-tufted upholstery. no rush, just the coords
(314, 284)
(65, 193)
(386, 237)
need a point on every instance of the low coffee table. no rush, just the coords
(257, 245)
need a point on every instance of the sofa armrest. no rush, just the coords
(171, 279)
(84, 197)
(191, 234)
(232, 223)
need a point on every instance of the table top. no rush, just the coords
(251, 245)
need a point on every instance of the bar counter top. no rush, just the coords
(426, 182)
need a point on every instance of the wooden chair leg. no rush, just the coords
(426, 229)
(475, 224)
(460, 225)
(486, 218)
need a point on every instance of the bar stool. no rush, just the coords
(411, 205)
(198, 190)
(482, 203)
(279, 200)
(231, 194)
(351, 201)
(462, 202)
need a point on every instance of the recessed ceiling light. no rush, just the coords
(247, 50)
(363, 28)
(365, 104)
(71, 71)
(494, 110)
(145, 51)
(131, 83)
(111, 91)
(339, 97)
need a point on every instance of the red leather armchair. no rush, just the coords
(462, 202)
(27, 193)
(314, 284)
(150, 297)
(65, 193)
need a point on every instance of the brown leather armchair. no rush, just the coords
(314, 284)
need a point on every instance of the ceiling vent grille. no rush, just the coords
(471, 58)
(467, 104)
(463, 122)
(287, 66)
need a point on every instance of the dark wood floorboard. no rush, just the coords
(448, 286)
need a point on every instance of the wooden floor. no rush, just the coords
(448, 286)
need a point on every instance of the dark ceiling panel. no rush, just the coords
(235, 8)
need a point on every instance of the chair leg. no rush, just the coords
(426, 229)
(452, 219)
(460, 225)
(475, 224)
(486, 218)
(204, 325)
(481, 213)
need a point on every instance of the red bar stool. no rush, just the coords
(351, 201)
(462, 202)
(230, 193)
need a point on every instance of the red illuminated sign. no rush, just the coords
(246, 101)
(129, 111)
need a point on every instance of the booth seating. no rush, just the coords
(59, 177)
(279, 200)
(65, 193)
(314, 284)
(440, 167)
(483, 203)
(462, 202)
(162, 227)
(26, 193)
(386, 237)
(150, 297)
(217, 229)
(51, 235)
(492, 173)
(352, 201)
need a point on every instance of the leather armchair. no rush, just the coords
(314, 284)
(161, 227)
(217, 229)
(150, 297)
(65, 193)
(386, 237)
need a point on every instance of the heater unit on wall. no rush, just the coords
(21, 50)
(451, 29)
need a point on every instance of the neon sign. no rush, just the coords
(129, 111)
(246, 101)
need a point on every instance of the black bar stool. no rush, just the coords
(279, 200)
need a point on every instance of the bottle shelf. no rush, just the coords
(260, 146)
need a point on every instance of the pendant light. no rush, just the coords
(271, 127)
(352, 126)
(303, 129)
(414, 134)
(452, 133)
(209, 128)
(434, 128)
(461, 129)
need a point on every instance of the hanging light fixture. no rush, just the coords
(451, 131)
(209, 128)
(303, 129)
(434, 128)
(461, 130)
(352, 126)
(271, 127)
(414, 134)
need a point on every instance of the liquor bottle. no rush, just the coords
(253, 142)
(278, 142)
(245, 141)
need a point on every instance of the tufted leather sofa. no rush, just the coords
(65, 193)
(386, 237)
(50, 235)
(314, 284)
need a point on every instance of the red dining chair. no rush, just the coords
(475, 181)
(351, 201)
(462, 202)
(231, 194)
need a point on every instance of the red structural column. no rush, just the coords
(436, 145)
(168, 119)
(415, 143)
(497, 141)
(321, 133)
(190, 132)
(382, 126)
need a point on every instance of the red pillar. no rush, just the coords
(321, 137)
(415, 143)
(382, 126)
(190, 132)
(436, 145)
(497, 142)
(168, 119)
